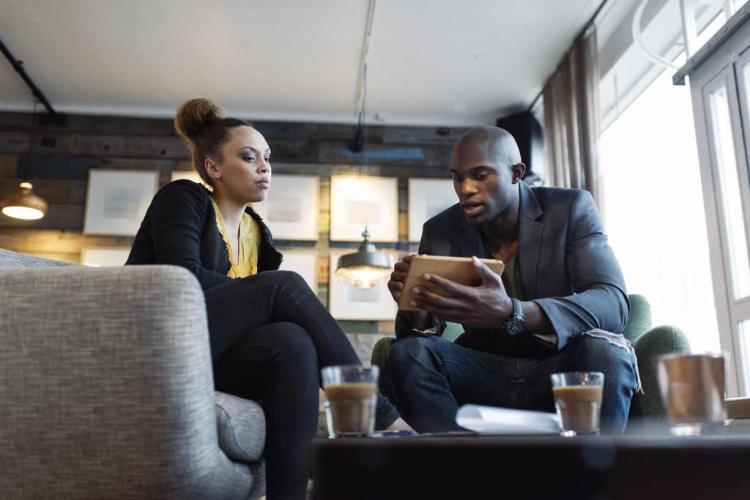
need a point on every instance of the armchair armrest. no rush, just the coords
(242, 427)
(656, 342)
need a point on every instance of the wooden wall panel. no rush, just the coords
(67, 217)
(49, 241)
(64, 153)
(139, 146)
(14, 141)
(52, 190)
(8, 165)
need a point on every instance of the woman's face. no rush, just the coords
(244, 169)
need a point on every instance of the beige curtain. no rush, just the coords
(571, 119)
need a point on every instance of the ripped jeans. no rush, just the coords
(431, 377)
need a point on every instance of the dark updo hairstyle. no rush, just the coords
(205, 127)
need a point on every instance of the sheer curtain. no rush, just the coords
(571, 119)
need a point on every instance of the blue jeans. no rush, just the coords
(431, 377)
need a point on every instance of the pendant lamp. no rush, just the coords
(366, 267)
(24, 204)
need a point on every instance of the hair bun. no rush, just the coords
(194, 115)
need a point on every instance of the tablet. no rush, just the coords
(458, 269)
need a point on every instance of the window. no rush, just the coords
(719, 89)
(730, 196)
(654, 210)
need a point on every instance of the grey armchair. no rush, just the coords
(106, 388)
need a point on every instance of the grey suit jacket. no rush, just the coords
(566, 266)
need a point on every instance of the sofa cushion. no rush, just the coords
(242, 427)
(13, 259)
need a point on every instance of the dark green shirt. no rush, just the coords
(511, 274)
(512, 279)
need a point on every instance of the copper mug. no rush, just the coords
(692, 390)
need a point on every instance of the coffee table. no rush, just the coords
(643, 466)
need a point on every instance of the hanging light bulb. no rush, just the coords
(24, 204)
(366, 267)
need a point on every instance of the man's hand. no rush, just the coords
(398, 277)
(483, 306)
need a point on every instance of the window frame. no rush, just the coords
(718, 70)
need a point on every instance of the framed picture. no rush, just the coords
(104, 257)
(117, 200)
(291, 207)
(190, 175)
(303, 263)
(347, 302)
(357, 202)
(427, 198)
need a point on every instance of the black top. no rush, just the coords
(180, 229)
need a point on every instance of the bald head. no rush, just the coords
(486, 171)
(493, 143)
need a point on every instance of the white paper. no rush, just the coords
(491, 420)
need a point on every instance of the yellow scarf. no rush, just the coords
(247, 263)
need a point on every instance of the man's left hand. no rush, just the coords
(483, 306)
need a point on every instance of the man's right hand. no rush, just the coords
(398, 277)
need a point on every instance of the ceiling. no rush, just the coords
(431, 62)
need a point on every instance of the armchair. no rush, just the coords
(106, 388)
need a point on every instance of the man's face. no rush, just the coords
(485, 189)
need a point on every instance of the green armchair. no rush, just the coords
(649, 344)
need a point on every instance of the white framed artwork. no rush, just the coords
(362, 201)
(347, 302)
(104, 257)
(116, 200)
(291, 207)
(427, 198)
(304, 263)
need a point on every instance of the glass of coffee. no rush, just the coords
(351, 397)
(692, 390)
(578, 399)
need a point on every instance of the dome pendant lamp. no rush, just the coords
(24, 204)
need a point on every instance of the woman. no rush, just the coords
(269, 332)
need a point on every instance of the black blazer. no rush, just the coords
(180, 229)
(566, 265)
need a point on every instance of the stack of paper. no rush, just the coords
(490, 420)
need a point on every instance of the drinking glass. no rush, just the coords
(351, 397)
(578, 399)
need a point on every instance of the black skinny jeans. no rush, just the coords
(270, 335)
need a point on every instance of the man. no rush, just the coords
(560, 304)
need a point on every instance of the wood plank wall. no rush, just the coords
(59, 156)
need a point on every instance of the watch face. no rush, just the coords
(514, 326)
